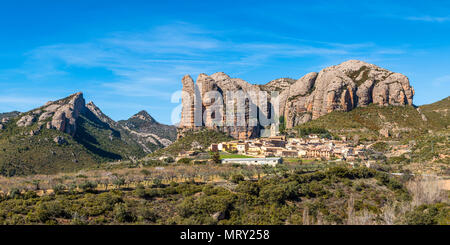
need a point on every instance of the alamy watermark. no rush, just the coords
(230, 108)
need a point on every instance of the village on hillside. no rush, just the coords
(272, 150)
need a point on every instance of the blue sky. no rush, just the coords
(127, 56)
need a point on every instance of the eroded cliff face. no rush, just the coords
(61, 115)
(206, 101)
(337, 88)
(343, 88)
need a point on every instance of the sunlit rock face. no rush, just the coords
(337, 88)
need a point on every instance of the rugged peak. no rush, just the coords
(279, 84)
(355, 66)
(143, 115)
(78, 94)
(99, 114)
(342, 87)
(202, 76)
(187, 80)
(219, 76)
(353, 62)
(205, 84)
(93, 108)
(61, 115)
(74, 98)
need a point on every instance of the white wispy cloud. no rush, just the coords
(151, 63)
(21, 100)
(443, 80)
(428, 18)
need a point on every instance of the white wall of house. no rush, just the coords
(272, 161)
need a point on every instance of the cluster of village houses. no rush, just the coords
(273, 149)
(278, 146)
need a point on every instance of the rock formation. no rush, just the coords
(337, 88)
(208, 96)
(61, 115)
(344, 87)
(66, 113)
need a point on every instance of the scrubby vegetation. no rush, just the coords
(437, 114)
(195, 139)
(31, 150)
(303, 131)
(335, 196)
(380, 147)
(366, 122)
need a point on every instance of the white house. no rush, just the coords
(272, 161)
(302, 153)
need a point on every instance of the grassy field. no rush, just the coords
(297, 160)
(228, 155)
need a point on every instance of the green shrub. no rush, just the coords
(278, 193)
(147, 214)
(59, 189)
(88, 186)
(119, 182)
(380, 147)
(50, 210)
(15, 193)
(146, 172)
(140, 191)
(184, 161)
(248, 187)
(29, 195)
(236, 178)
(434, 214)
(122, 214)
(157, 182)
(169, 160)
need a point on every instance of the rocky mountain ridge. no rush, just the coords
(69, 134)
(337, 88)
(63, 115)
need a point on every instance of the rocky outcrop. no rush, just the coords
(59, 140)
(337, 88)
(66, 113)
(346, 86)
(26, 121)
(61, 115)
(204, 104)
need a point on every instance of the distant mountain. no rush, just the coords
(8, 115)
(66, 135)
(142, 128)
(145, 125)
